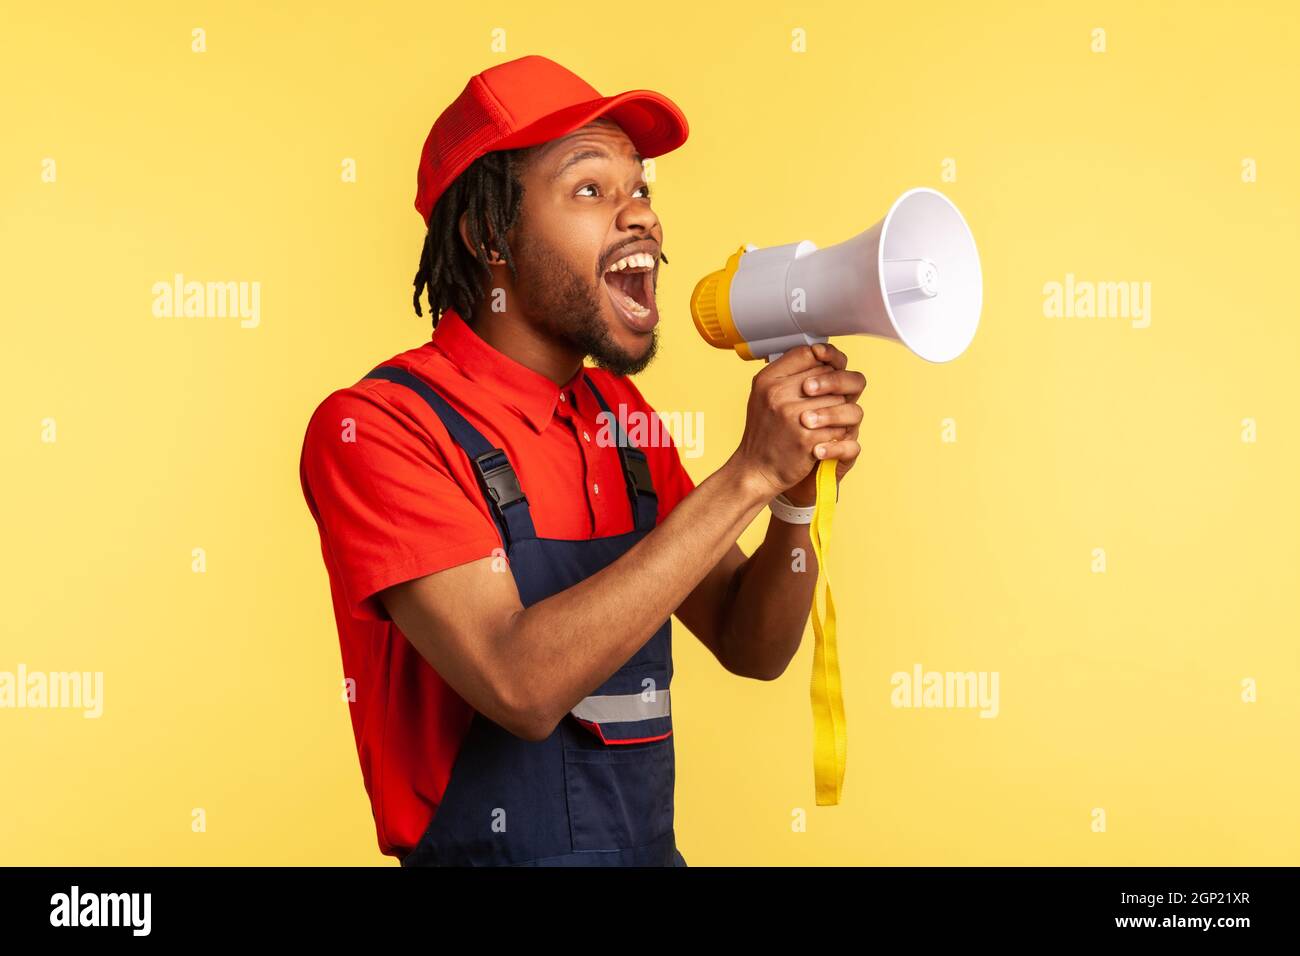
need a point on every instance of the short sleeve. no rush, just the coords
(385, 501)
(671, 479)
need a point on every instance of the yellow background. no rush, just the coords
(1119, 691)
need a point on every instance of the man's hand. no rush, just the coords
(840, 389)
(777, 447)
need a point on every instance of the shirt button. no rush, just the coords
(562, 398)
(595, 487)
(586, 437)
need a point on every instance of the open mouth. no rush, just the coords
(629, 281)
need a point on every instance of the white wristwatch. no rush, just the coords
(790, 513)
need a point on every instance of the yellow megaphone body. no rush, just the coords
(914, 277)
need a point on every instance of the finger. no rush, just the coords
(852, 430)
(844, 413)
(838, 382)
(796, 360)
(797, 408)
(790, 388)
(829, 354)
(825, 436)
(846, 449)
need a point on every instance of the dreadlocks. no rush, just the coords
(490, 191)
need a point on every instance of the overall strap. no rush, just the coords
(636, 469)
(496, 476)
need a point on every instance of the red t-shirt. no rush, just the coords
(394, 498)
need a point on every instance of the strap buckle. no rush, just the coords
(637, 470)
(499, 477)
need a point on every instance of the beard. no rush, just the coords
(569, 308)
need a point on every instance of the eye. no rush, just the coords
(645, 188)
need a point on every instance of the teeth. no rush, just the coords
(638, 260)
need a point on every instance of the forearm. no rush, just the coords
(562, 647)
(768, 607)
(527, 667)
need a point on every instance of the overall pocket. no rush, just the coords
(633, 707)
(619, 796)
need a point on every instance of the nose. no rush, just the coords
(637, 216)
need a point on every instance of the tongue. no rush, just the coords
(642, 317)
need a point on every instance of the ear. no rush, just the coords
(462, 226)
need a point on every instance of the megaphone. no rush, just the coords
(913, 277)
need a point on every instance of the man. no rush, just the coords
(503, 580)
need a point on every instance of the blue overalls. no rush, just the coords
(599, 790)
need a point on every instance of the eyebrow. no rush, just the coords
(589, 153)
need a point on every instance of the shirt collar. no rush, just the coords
(530, 393)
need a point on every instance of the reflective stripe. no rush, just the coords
(618, 708)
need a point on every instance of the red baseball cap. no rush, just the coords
(531, 100)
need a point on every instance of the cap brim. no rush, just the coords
(652, 122)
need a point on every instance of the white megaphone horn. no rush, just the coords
(913, 277)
